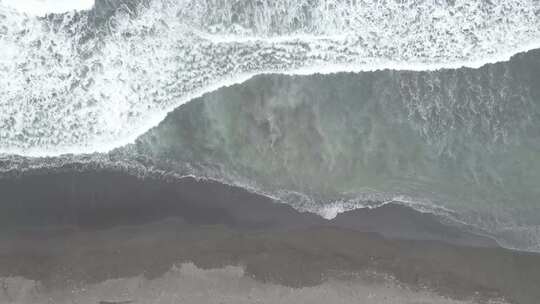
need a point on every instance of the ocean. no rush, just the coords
(328, 150)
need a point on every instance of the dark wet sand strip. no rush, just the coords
(95, 226)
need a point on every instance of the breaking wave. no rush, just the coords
(95, 80)
(44, 7)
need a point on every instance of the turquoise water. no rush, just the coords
(465, 139)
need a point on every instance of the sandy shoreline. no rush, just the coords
(89, 233)
(71, 260)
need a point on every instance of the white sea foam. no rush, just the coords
(43, 7)
(375, 200)
(67, 89)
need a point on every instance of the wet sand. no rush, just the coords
(187, 283)
(76, 230)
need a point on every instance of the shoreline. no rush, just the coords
(90, 227)
(296, 258)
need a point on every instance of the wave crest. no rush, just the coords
(73, 85)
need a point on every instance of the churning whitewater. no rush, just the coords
(93, 80)
(43, 7)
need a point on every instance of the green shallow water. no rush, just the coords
(465, 139)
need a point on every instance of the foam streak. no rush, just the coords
(71, 86)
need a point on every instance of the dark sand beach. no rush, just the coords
(76, 229)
